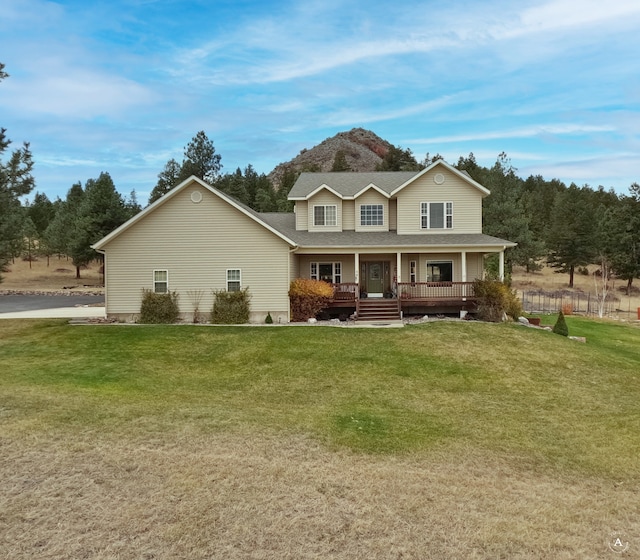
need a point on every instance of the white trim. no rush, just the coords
(448, 167)
(154, 281)
(324, 186)
(439, 261)
(371, 205)
(365, 189)
(239, 278)
(444, 215)
(325, 206)
(334, 265)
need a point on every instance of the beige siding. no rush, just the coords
(393, 214)
(302, 215)
(466, 199)
(197, 243)
(348, 215)
(325, 197)
(475, 266)
(372, 197)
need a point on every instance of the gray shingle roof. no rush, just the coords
(349, 184)
(285, 223)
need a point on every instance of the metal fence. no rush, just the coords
(551, 302)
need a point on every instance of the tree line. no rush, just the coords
(568, 227)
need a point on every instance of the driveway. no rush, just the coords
(39, 306)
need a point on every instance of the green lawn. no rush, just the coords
(551, 403)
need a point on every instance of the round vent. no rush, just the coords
(196, 196)
(438, 178)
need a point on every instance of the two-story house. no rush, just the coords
(389, 242)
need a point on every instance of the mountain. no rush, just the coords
(357, 150)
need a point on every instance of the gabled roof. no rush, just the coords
(253, 215)
(350, 185)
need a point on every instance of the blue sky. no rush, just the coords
(123, 86)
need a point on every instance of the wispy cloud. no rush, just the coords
(525, 132)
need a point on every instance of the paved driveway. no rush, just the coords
(18, 303)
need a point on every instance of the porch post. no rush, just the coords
(398, 267)
(463, 270)
(357, 270)
(502, 266)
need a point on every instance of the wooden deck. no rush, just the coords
(414, 295)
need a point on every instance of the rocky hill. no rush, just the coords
(356, 150)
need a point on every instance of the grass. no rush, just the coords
(318, 442)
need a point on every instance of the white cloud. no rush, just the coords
(524, 132)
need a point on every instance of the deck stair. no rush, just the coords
(378, 309)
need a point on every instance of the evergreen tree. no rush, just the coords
(15, 181)
(168, 178)
(59, 234)
(571, 239)
(620, 236)
(101, 211)
(340, 162)
(397, 159)
(200, 159)
(504, 215)
(41, 211)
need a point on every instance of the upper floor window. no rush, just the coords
(326, 215)
(371, 215)
(234, 280)
(160, 281)
(436, 215)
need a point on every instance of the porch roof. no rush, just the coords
(285, 223)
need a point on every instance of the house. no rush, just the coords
(389, 242)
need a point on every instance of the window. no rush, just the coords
(327, 272)
(160, 281)
(439, 271)
(436, 215)
(234, 280)
(371, 215)
(412, 272)
(325, 215)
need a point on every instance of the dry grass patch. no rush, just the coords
(550, 281)
(266, 496)
(60, 273)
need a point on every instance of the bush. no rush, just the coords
(308, 298)
(561, 325)
(231, 308)
(269, 319)
(159, 308)
(495, 299)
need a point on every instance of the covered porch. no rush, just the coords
(427, 281)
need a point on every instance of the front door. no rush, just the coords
(375, 278)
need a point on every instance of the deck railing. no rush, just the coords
(435, 290)
(345, 291)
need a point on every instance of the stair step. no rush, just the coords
(378, 310)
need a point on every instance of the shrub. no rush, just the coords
(269, 319)
(495, 299)
(561, 325)
(159, 308)
(567, 309)
(231, 308)
(308, 298)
